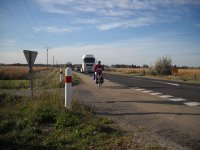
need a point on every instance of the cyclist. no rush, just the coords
(99, 68)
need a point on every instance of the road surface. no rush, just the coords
(182, 93)
(153, 118)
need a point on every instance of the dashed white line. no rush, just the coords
(140, 89)
(155, 93)
(168, 83)
(192, 103)
(146, 91)
(173, 84)
(106, 80)
(177, 99)
(165, 96)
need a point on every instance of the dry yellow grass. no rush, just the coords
(138, 71)
(189, 74)
(16, 72)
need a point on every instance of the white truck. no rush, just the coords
(88, 62)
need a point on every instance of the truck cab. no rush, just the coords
(88, 62)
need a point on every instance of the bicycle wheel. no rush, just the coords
(99, 81)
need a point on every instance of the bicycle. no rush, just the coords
(99, 80)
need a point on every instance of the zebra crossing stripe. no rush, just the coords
(165, 96)
(192, 103)
(140, 89)
(147, 91)
(177, 99)
(155, 93)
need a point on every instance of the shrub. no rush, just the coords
(162, 66)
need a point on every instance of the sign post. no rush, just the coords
(30, 57)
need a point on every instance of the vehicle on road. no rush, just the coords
(88, 62)
(78, 69)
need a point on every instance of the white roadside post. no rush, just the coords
(60, 75)
(68, 86)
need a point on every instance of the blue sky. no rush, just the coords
(115, 31)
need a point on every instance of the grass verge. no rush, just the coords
(45, 124)
(14, 84)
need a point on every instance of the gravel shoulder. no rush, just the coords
(150, 119)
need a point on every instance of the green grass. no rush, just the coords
(44, 123)
(75, 80)
(14, 84)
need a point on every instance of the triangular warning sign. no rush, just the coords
(30, 57)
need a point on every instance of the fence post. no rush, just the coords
(68, 86)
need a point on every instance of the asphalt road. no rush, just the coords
(131, 103)
(185, 92)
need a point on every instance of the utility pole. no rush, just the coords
(47, 56)
(53, 61)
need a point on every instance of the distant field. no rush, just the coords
(189, 74)
(183, 74)
(16, 77)
(17, 72)
(136, 71)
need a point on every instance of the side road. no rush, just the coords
(152, 120)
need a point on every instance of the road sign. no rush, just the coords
(30, 57)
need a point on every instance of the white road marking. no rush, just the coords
(106, 80)
(177, 99)
(192, 103)
(155, 93)
(140, 89)
(165, 96)
(168, 83)
(147, 91)
(173, 84)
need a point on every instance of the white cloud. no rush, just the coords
(104, 14)
(53, 29)
(86, 21)
(132, 51)
(137, 51)
(8, 42)
(127, 23)
(198, 25)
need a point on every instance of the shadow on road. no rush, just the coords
(145, 113)
(167, 102)
(149, 102)
(116, 87)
